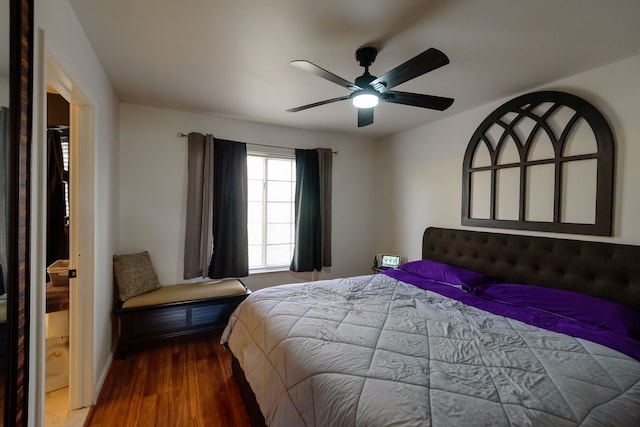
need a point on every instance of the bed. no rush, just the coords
(457, 338)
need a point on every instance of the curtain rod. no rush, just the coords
(184, 135)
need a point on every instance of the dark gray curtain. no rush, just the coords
(230, 241)
(325, 166)
(198, 242)
(57, 239)
(307, 253)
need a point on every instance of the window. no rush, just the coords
(271, 211)
(64, 140)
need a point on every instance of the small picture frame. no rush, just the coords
(389, 261)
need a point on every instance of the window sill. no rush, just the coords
(258, 271)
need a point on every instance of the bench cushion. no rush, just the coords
(187, 292)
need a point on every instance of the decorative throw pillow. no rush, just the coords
(134, 274)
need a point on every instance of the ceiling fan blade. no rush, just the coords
(417, 100)
(427, 61)
(365, 116)
(317, 104)
(321, 72)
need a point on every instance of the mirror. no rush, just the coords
(16, 54)
(4, 194)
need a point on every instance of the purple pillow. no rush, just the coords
(445, 273)
(580, 307)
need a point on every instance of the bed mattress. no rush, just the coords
(375, 351)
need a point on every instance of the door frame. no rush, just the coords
(81, 233)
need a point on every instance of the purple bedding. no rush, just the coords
(447, 274)
(601, 321)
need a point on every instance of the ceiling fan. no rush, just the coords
(368, 90)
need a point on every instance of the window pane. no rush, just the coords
(271, 212)
(279, 254)
(278, 233)
(278, 191)
(254, 233)
(255, 167)
(255, 190)
(279, 212)
(254, 212)
(279, 170)
(255, 256)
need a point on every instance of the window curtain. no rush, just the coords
(312, 210)
(325, 159)
(4, 194)
(230, 239)
(198, 242)
(57, 240)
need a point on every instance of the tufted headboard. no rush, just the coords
(605, 270)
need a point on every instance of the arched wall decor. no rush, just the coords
(543, 161)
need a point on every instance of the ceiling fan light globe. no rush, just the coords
(365, 100)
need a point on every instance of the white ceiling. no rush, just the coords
(231, 57)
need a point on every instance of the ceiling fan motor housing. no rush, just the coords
(364, 80)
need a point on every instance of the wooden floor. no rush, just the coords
(185, 381)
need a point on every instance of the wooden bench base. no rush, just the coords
(139, 324)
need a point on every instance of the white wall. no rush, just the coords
(153, 188)
(58, 33)
(424, 165)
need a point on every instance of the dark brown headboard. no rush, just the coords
(605, 270)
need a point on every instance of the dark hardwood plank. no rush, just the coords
(183, 381)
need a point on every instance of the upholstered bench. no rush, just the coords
(144, 310)
(175, 310)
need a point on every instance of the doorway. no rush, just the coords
(81, 388)
(58, 208)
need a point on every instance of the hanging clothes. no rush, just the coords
(57, 238)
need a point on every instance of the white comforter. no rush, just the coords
(372, 351)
